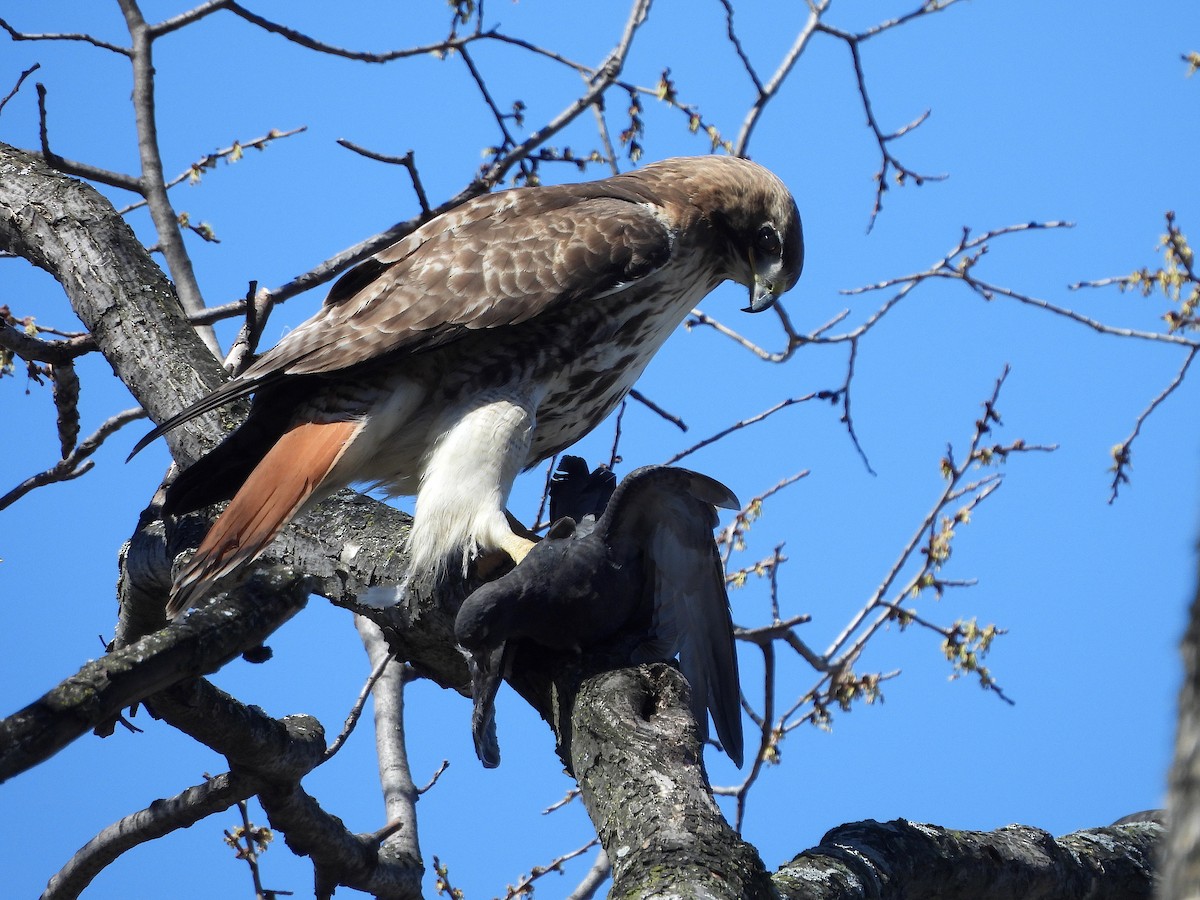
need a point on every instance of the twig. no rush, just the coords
(256, 842)
(153, 186)
(525, 882)
(936, 551)
(73, 167)
(433, 779)
(771, 88)
(888, 160)
(310, 43)
(187, 18)
(641, 398)
(75, 463)
(737, 426)
(481, 84)
(407, 160)
(85, 38)
(1122, 452)
(737, 46)
(573, 794)
(209, 160)
(731, 536)
(606, 75)
(613, 456)
(17, 87)
(356, 710)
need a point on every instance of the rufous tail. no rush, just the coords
(274, 492)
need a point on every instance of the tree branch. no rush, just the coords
(153, 185)
(631, 733)
(159, 819)
(899, 859)
(201, 643)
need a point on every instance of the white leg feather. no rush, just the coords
(466, 482)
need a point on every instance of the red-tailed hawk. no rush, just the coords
(489, 339)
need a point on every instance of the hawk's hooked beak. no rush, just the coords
(762, 295)
(764, 285)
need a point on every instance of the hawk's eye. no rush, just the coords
(767, 241)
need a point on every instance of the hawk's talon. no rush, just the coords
(508, 555)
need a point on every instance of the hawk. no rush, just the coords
(647, 566)
(487, 340)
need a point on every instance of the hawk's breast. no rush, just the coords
(600, 356)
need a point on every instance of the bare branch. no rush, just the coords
(161, 818)
(606, 75)
(188, 17)
(768, 91)
(17, 87)
(937, 549)
(524, 884)
(310, 43)
(568, 797)
(248, 842)
(85, 38)
(76, 462)
(360, 704)
(1122, 452)
(737, 426)
(433, 779)
(32, 349)
(209, 160)
(596, 876)
(613, 456)
(395, 776)
(407, 160)
(737, 46)
(154, 188)
(73, 167)
(731, 537)
(888, 160)
(635, 394)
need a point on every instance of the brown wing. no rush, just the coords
(501, 261)
(497, 260)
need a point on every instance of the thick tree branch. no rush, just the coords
(68, 229)
(400, 794)
(199, 644)
(1181, 871)
(902, 860)
(633, 744)
(339, 856)
(159, 819)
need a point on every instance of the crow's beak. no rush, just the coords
(487, 668)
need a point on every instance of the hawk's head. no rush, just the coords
(755, 216)
(764, 231)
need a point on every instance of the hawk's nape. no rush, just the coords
(649, 568)
(489, 339)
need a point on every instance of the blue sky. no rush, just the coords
(1037, 113)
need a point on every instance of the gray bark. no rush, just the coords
(1181, 872)
(907, 861)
